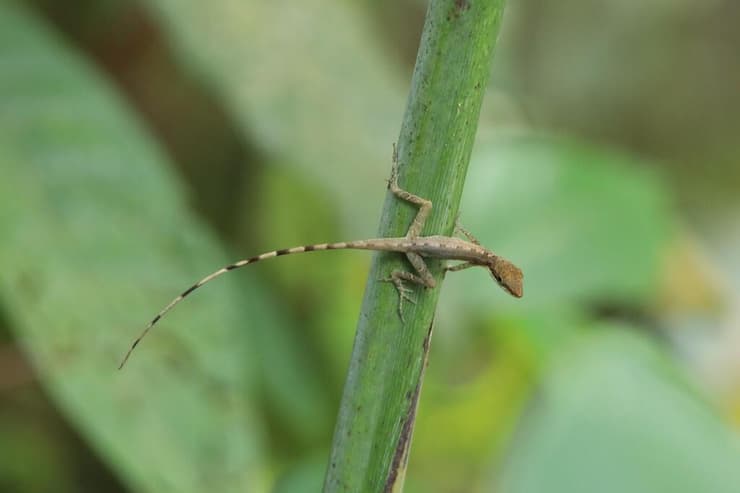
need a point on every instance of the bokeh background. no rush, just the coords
(144, 144)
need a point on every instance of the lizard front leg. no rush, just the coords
(459, 267)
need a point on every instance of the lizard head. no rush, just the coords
(508, 276)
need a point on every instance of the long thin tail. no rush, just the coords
(236, 265)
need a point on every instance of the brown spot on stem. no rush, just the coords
(401, 455)
(459, 8)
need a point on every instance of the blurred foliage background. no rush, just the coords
(144, 144)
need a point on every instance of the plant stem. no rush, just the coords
(376, 416)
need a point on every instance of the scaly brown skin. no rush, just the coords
(415, 247)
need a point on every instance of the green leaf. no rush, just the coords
(583, 223)
(94, 238)
(308, 82)
(614, 415)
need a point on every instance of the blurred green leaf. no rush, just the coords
(661, 77)
(94, 238)
(583, 223)
(324, 288)
(308, 82)
(613, 415)
(305, 475)
(480, 381)
(470, 411)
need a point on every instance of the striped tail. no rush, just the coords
(276, 253)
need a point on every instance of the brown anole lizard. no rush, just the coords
(414, 246)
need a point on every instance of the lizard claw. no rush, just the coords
(403, 293)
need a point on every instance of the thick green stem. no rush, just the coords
(376, 417)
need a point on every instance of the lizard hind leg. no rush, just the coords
(425, 206)
(397, 277)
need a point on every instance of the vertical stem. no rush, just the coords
(376, 416)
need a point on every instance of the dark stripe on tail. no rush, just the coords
(212, 276)
(189, 290)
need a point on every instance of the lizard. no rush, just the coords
(414, 246)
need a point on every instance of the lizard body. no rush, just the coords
(414, 246)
